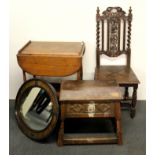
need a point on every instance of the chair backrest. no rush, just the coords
(113, 33)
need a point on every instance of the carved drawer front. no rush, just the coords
(90, 109)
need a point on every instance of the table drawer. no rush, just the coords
(89, 109)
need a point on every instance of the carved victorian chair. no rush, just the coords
(113, 35)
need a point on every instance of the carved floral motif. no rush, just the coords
(87, 108)
(114, 17)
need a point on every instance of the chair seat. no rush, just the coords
(122, 74)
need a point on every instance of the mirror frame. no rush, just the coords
(35, 134)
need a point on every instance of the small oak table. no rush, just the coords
(90, 99)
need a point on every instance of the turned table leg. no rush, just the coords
(24, 76)
(134, 101)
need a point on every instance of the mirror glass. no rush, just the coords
(36, 108)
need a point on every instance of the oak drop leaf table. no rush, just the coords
(53, 59)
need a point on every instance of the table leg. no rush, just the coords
(24, 76)
(134, 101)
(118, 122)
(80, 74)
(61, 134)
(61, 130)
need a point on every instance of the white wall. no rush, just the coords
(71, 20)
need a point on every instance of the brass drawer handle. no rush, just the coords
(91, 109)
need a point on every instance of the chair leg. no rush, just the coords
(126, 93)
(125, 103)
(134, 101)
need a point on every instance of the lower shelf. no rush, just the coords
(90, 138)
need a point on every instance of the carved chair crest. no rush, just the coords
(113, 33)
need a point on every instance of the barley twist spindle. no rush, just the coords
(129, 28)
(97, 36)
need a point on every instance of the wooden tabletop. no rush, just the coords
(51, 58)
(53, 48)
(85, 90)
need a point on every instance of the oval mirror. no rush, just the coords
(36, 109)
